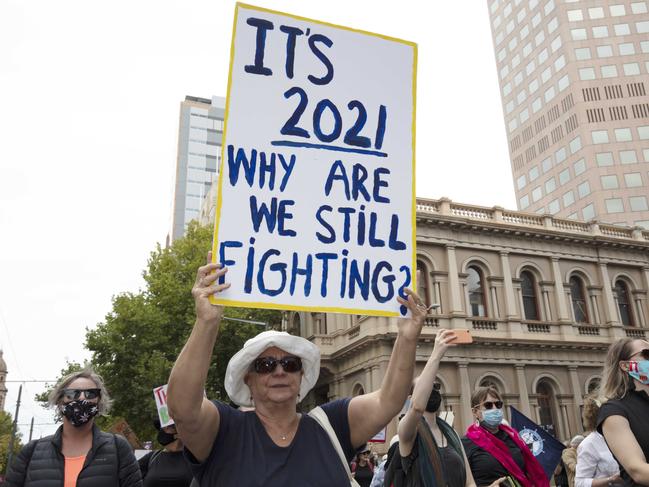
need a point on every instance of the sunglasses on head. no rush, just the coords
(492, 404)
(643, 353)
(74, 394)
(265, 365)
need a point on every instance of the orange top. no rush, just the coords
(73, 466)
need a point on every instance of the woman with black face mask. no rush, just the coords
(166, 467)
(79, 453)
(431, 451)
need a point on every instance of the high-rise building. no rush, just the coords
(574, 78)
(200, 137)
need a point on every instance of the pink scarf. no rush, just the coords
(534, 475)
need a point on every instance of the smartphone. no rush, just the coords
(462, 336)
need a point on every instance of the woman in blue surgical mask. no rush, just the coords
(494, 450)
(624, 416)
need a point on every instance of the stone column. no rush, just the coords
(564, 420)
(522, 390)
(510, 299)
(376, 377)
(576, 387)
(546, 303)
(610, 308)
(559, 290)
(465, 396)
(521, 304)
(369, 386)
(494, 302)
(639, 311)
(453, 281)
(596, 319)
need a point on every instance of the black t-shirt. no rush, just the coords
(484, 466)
(165, 469)
(453, 462)
(363, 475)
(634, 406)
(243, 455)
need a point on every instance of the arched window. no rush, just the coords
(358, 390)
(578, 297)
(624, 303)
(530, 302)
(547, 407)
(475, 284)
(422, 283)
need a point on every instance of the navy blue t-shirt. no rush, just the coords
(243, 454)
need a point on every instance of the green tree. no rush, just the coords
(140, 338)
(6, 427)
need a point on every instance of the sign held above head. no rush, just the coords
(316, 202)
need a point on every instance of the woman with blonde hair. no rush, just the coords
(596, 466)
(79, 453)
(624, 417)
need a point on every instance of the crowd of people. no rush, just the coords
(265, 441)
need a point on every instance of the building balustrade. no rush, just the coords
(588, 330)
(635, 332)
(448, 208)
(538, 327)
(484, 324)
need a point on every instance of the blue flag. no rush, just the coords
(544, 446)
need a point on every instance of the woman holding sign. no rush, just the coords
(431, 452)
(274, 445)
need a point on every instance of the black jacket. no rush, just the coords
(109, 463)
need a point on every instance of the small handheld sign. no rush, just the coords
(160, 395)
(316, 203)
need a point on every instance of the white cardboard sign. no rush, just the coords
(160, 395)
(316, 203)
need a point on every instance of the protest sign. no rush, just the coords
(121, 427)
(160, 395)
(316, 203)
(379, 437)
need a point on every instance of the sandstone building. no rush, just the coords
(542, 296)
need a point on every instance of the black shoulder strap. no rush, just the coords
(117, 453)
(30, 452)
(154, 455)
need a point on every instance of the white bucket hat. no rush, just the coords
(239, 364)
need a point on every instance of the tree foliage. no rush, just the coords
(135, 347)
(6, 426)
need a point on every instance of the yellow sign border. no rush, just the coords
(219, 200)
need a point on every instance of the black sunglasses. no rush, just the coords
(74, 394)
(265, 365)
(644, 353)
(492, 404)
